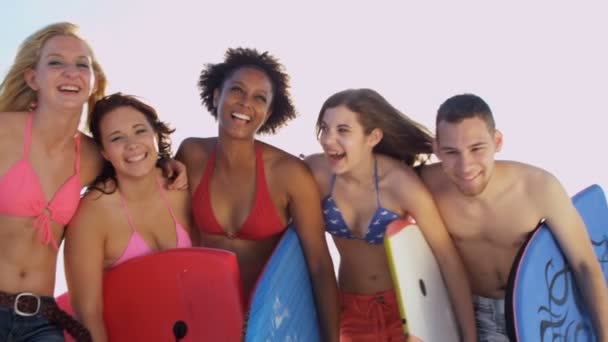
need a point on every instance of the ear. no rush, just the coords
(435, 147)
(375, 136)
(216, 97)
(498, 140)
(103, 154)
(30, 78)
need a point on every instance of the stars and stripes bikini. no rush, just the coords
(336, 226)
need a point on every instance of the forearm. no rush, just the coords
(461, 298)
(590, 281)
(327, 302)
(96, 326)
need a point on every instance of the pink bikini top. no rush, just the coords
(137, 246)
(21, 193)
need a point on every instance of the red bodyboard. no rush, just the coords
(145, 298)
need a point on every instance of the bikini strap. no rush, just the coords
(166, 200)
(77, 141)
(376, 181)
(126, 210)
(332, 183)
(259, 164)
(209, 169)
(28, 136)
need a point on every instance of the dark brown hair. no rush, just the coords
(403, 138)
(112, 102)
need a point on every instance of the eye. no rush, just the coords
(477, 149)
(116, 138)
(261, 98)
(141, 131)
(54, 63)
(83, 65)
(236, 90)
(343, 130)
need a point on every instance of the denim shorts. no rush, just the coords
(490, 319)
(16, 328)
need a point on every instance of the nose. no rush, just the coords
(132, 143)
(244, 100)
(70, 70)
(465, 163)
(326, 137)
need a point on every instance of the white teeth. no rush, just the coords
(242, 116)
(336, 155)
(136, 158)
(69, 88)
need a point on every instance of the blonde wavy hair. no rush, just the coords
(16, 95)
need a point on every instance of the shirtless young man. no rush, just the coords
(490, 207)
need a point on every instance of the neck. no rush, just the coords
(55, 128)
(139, 188)
(362, 174)
(234, 152)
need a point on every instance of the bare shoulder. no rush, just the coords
(317, 162)
(286, 167)
(280, 161)
(320, 169)
(90, 159)
(434, 178)
(11, 122)
(195, 150)
(396, 176)
(533, 179)
(94, 213)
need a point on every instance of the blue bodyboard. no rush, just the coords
(282, 304)
(543, 302)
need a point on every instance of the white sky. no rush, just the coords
(542, 66)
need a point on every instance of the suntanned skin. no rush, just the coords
(101, 229)
(364, 267)
(27, 265)
(232, 190)
(490, 207)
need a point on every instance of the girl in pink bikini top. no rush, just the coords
(127, 213)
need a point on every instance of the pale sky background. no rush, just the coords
(541, 65)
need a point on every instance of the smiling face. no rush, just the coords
(63, 76)
(243, 102)
(344, 140)
(129, 142)
(466, 150)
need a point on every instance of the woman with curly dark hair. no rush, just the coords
(127, 212)
(245, 192)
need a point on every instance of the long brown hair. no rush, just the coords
(403, 138)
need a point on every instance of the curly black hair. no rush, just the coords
(108, 104)
(213, 76)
